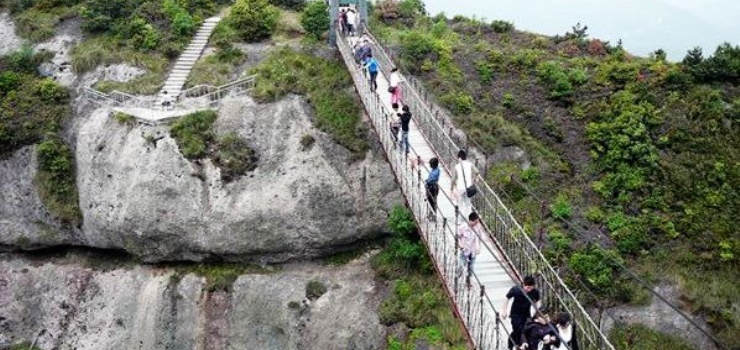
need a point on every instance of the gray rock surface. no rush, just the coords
(69, 305)
(147, 199)
(660, 317)
(10, 42)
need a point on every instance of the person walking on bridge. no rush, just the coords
(432, 187)
(372, 67)
(469, 244)
(394, 87)
(521, 301)
(405, 119)
(463, 178)
(351, 21)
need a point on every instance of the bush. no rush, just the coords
(139, 34)
(253, 20)
(315, 289)
(499, 26)
(638, 337)
(416, 47)
(182, 23)
(561, 208)
(556, 78)
(325, 83)
(55, 180)
(102, 16)
(290, 4)
(314, 18)
(193, 133)
(459, 103)
(234, 157)
(596, 268)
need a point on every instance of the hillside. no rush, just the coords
(629, 163)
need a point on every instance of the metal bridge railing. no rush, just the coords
(508, 234)
(485, 328)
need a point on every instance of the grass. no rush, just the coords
(37, 25)
(416, 297)
(194, 134)
(327, 86)
(23, 346)
(55, 180)
(221, 276)
(315, 289)
(639, 337)
(234, 156)
(215, 69)
(124, 119)
(288, 26)
(103, 50)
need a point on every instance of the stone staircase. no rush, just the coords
(181, 70)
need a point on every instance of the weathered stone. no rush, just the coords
(10, 41)
(71, 306)
(147, 199)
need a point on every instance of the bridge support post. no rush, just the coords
(333, 15)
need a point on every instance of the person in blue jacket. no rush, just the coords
(372, 67)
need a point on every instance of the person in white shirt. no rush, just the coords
(351, 22)
(469, 244)
(395, 88)
(564, 324)
(462, 178)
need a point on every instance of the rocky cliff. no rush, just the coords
(67, 304)
(138, 193)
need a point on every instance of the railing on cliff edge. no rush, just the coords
(513, 241)
(211, 95)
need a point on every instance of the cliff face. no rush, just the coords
(146, 198)
(69, 305)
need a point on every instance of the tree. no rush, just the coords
(254, 20)
(315, 18)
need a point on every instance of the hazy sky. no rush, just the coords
(643, 25)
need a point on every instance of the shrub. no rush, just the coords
(124, 119)
(315, 289)
(307, 142)
(35, 25)
(411, 8)
(254, 20)
(139, 34)
(193, 133)
(234, 157)
(638, 336)
(220, 277)
(561, 208)
(55, 180)
(556, 78)
(723, 66)
(314, 18)
(290, 4)
(508, 100)
(9, 81)
(459, 102)
(527, 58)
(325, 83)
(102, 16)
(596, 267)
(183, 24)
(416, 47)
(499, 26)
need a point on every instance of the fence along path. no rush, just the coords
(507, 252)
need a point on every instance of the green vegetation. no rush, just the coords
(296, 5)
(124, 119)
(326, 84)
(195, 136)
(638, 337)
(307, 142)
(215, 69)
(55, 180)
(219, 277)
(417, 298)
(23, 346)
(315, 289)
(253, 20)
(649, 147)
(314, 18)
(234, 157)
(194, 133)
(30, 106)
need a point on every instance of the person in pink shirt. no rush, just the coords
(468, 237)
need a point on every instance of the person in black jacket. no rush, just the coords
(563, 323)
(405, 119)
(539, 334)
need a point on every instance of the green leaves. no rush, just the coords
(315, 18)
(254, 20)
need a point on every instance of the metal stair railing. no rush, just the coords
(514, 242)
(114, 98)
(473, 306)
(213, 94)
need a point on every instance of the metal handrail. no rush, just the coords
(216, 93)
(114, 98)
(505, 230)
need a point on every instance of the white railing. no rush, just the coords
(212, 94)
(112, 99)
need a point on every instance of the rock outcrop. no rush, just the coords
(138, 193)
(68, 305)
